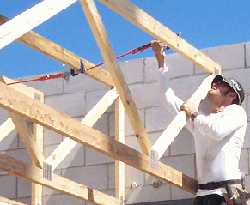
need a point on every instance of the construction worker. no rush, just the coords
(218, 124)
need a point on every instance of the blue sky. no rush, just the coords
(202, 23)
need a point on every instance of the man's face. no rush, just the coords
(221, 93)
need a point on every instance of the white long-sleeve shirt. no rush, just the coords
(218, 138)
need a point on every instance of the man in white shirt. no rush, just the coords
(218, 124)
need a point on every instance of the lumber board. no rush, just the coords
(25, 133)
(100, 34)
(6, 128)
(4, 200)
(67, 145)
(120, 137)
(180, 120)
(28, 138)
(156, 29)
(63, 124)
(30, 19)
(64, 56)
(34, 174)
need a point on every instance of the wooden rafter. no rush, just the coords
(35, 174)
(99, 32)
(55, 51)
(28, 138)
(148, 24)
(30, 19)
(63, 124)
(63, 149)
(22, 126)
(31, 136)
(120, 137)
(6, 201)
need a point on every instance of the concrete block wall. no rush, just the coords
(84, 165)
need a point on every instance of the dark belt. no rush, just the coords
(220, 184)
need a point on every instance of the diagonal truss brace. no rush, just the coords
(6, 201)
(21, 124)
(99, 32)
(29, 19)
(63, 124)
(35, 174)
(63, 149)
(55, 51)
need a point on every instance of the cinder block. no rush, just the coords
(49, 191)
(50, 137)
(81, 83)
(183, 163)
(248, 183)
(248, 54)
(74, 158)
(247, 138)
(93, 97)
(20, 154)
(177, 64)
(10, 141)
(132, 70)
(129, 130)
(4, 115)
(23, 188)
(25, 200)
(178, 193)
(185, 86)
(111, 176)
(102, 124)
(148, 194)
(8, 186)
(228, 56)
(49, 87)
(145, 95)
(134, 177)
(72, 104)
(240, 75)
(183, 143)
(93, 157)
(62, 200)
(244, 167)
(93, 176)
(150, 69)
(157, 118)
(132, 142)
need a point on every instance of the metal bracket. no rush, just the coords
(47, 171)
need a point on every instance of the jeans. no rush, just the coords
(212, 199)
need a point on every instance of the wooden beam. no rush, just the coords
(6, 128)
(120, 137)
(28, 138)
(99, 32)
(33, 139)
(4, 200)
(63, 149)
(148, 24)
(34, 174)
(26, 133)
(55, 51)
(30, 19)
(65, 125)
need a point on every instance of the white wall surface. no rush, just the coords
(84, 165)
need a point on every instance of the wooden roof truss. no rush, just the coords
(29, 114)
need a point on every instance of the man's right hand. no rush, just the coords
(159, 53)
